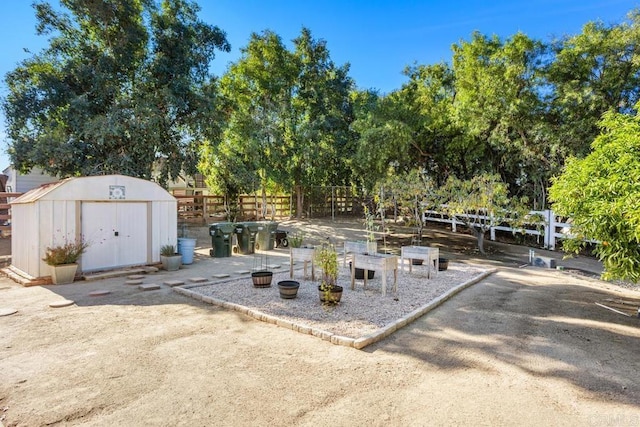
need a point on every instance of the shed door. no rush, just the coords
(117, 235)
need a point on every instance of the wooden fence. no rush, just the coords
(205, 209)
(5, 212)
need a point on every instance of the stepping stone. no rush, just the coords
(243, 272)
(198, 279)
(60, 304)
(99, 293)
(149, 287)
(133, 282)
(273, 266)
(135, 277)
(151, 269)
(220, 275)
(173, 283)
(7, 311)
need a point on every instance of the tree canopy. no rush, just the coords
(123, 87)
(601, 194)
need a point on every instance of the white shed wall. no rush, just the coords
(53, 216)
(165, 215)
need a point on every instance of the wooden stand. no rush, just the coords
(361, 247)
(425, 253)
(379, 262)
(305, 255)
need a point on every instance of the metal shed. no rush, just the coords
(125, 220)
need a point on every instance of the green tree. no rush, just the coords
(498, 105)
(123, 87)
(288, 114)
(412, 193)
(480, 203)
(601, 195)
(590, 73)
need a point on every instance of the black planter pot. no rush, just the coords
(415, 261)
(443, 264)
(360, 273)
(262, 279)
(288, 289)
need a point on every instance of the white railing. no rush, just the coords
(543, 224)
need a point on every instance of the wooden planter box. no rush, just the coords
(425, 253)
(305, 255)
(379, 262)
(360, 247)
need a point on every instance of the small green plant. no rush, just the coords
(327, 259)
(65, 254)
(370, 225)
(168, 250)
(296, 240)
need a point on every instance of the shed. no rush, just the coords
(125, 220)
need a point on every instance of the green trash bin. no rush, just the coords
(221, 239)
(266, 237)
(246, 235)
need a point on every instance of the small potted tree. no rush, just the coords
(327, 259)
(63, 260)
(170, 258)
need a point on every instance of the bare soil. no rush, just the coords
(525, 346)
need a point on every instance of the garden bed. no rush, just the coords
(362, 316)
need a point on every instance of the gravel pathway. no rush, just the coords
(360, 311)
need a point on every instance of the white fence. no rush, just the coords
(543, 224)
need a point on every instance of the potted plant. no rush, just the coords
(170, 258)
(63, 260)
(327, 259)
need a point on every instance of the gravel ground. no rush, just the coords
(360, 312)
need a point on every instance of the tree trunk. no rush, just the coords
(479, 235)
(299, 201)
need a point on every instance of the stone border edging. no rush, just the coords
(357, 343)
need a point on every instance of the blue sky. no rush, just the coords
(378, 38)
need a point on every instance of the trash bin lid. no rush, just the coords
(253, 226)
(225, 227)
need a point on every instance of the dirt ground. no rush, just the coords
(525, 346)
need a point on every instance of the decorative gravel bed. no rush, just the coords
(361, 314)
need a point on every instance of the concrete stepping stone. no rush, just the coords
(243, 272)
(149, 287)
(133, 282)
(99, 293)
(7, 311)
(198, 279)
(273, 266)
(220, 275)
(173, 283)
(135, 277)
(63, 303)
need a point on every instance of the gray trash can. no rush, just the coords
(266, 236)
